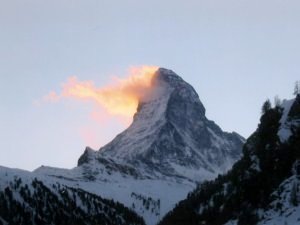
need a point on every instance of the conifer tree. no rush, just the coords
(297, 88)
(266, 106)
(294, 196)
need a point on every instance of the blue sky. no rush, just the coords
(235, 53)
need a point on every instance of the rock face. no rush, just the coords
(170, 135)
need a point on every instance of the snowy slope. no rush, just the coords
(30, 198)
(136, 194)
(288, 120)
(285, 132)
(282, 211)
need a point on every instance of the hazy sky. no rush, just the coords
(236, 53)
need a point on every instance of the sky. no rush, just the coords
(235, 53)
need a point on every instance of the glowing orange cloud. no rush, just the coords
(121, 97)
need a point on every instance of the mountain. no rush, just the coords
(170, 137)
(262, 187)
(168, 149)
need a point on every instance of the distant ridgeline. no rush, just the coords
(262, 187)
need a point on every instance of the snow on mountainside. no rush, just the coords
(282, 211)
(284, 132)
(286, 123)
(28, 198)
(169, 148)
(149, 198)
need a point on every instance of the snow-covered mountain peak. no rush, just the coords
(168, 76)
(164, 82)
(170, 136)
(168, 92)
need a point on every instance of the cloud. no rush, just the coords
(114, 103)
(51, 97)
(118, 98)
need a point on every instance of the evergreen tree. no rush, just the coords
(266, 106)
(294, 196)
(297, 88)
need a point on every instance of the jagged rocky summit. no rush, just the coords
(170, 137)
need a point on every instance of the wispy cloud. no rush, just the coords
(117, 100)
(120, 97)
(51, 97)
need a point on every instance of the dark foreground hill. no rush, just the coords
(262, 187)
